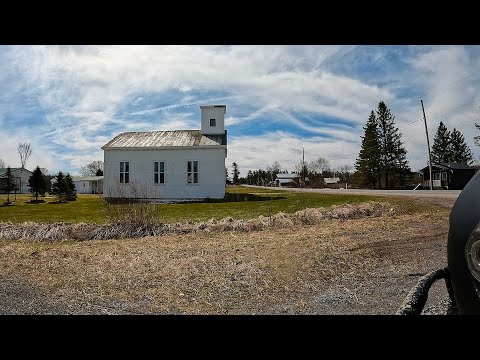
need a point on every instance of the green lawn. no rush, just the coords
(240, 202)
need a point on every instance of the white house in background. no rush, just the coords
(180, 164)
(333, 180)
(287, 179)
(88, 184)
(21, 176)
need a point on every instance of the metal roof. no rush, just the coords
(176, 138)
(4, 170)
(287, 176)
(87, 178)
(457, 166)
(285, 181)
(447, 166)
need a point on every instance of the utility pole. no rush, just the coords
(428, 144)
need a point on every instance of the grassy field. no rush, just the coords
(240, 202)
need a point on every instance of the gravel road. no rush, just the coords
(443, 194)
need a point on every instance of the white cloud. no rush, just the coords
(254, 152)
(43, 154)
(83, 88)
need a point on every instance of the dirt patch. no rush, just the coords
(339, 266)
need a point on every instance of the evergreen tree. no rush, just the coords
(37, 183)
(8, 183)
(64, 188)
(235, 173)
(477, 138)
(71, 194)
(393, 156)
(369, 157)
(249, 177)
(59, 187)
(461, 153)
(441, 148)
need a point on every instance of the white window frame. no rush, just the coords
(191, 174)
(124, 172)
(436, 176)
(159, 172)
(214, 122)
(444, 175)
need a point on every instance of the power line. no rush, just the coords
(443, 111)
(446, 86)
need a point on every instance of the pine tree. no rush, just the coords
(441, 148)
(461, 153)
(64, 188)
(477, 138)
(369, 156)
(235, 173)
(8, 183)
(59, 187)
(249, 177)
(37, 183)
(393, 156)
(401, 168)
(71, 194)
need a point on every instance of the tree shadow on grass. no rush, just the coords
(229, 197)
(243, 198)
(9, 204)
(35, 202)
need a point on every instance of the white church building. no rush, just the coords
(180, 164)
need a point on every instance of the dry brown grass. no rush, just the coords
(215, 272)
(138, 223)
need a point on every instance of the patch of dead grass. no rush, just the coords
(132, 229)
(216, 272)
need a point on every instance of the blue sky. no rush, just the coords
(68, 101)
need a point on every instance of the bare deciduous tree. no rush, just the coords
(95, 168)
(25, 150)
(2, 163)
(345, 172)
(275, 168)
(345, 168)
(320, 165)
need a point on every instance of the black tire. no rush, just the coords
(464, 218)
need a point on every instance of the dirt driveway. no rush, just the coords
(360, 266)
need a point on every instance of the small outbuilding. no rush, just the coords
(287, 180)
(451, 176)
(88, 184)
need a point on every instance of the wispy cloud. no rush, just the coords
(174, 106)
(70, 100)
